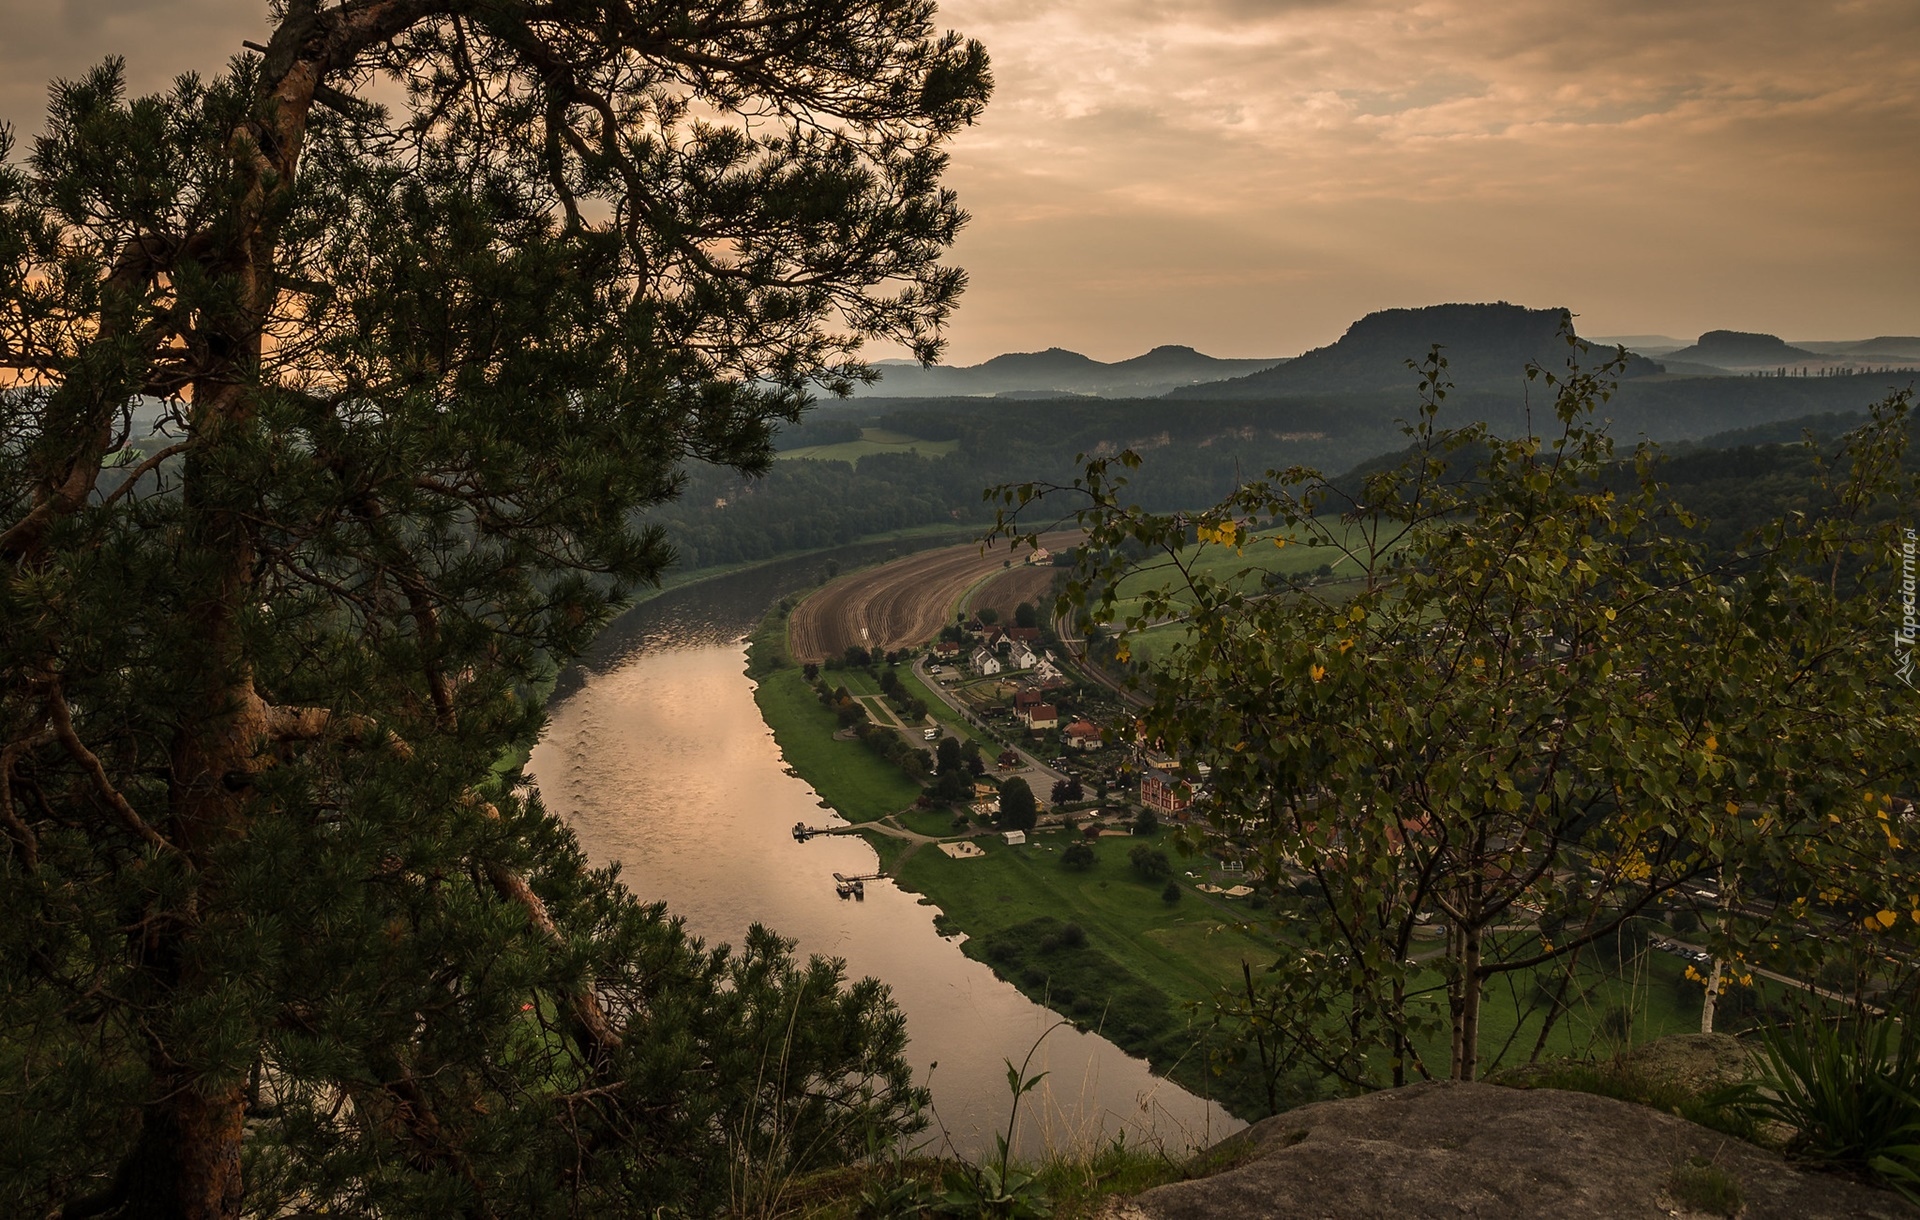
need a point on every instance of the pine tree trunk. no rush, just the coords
(187, 1163)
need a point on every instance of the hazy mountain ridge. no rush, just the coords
(1487, 346)
(1148, 375)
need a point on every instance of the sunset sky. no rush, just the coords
(1248, 176)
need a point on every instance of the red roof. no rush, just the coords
(1083, 728)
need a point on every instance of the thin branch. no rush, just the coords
(62, 717)
(144, 469)
(29, 842)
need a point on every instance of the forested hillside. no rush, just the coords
(1194, 451)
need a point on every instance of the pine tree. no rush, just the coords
(324, 437)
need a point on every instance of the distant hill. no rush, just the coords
(1058, 371)
(1487, 347)
(1885, 348)
(1738, 349)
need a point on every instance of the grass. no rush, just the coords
(1644, 988)
(1244, 567)
(1141, 964)
(1077, 1186)
(888, 848)
(936, 706)
(1151, 642)
(1183, 950)
(872, 440)
(935, 823)
(859, 784)
(1698, 1185)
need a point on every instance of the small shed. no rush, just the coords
(1015, 838)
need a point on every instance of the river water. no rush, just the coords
(656, 755)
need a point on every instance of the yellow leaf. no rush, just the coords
(1318, 672)
(1610, 614)
(1885, 919)
(1126, 654)
(1733, 806)
(1279, 542)
(1345, 644)
(1713, 743)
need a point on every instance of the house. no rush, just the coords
(1046, 670)
(1024, 699)
(1083, 735)
(1040, 555)
(1026, 635)
(1041, 717)
(1021, 656)
(1015, 838)
(947, 650)
(984, 662)
(1164, 791)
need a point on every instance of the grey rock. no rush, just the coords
(1477, 1150)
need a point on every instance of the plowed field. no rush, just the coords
(1020, 583)
(898, 604)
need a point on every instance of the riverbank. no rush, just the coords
(1102, 946)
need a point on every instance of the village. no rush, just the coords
(1015, 738)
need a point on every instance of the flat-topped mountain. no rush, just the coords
(1487, 347)
(1060, 371)
(1739, 349)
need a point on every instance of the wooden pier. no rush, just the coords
(854, 887)
(802, 832)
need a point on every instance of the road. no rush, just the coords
(1039, 776)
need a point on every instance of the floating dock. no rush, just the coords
(854, 887)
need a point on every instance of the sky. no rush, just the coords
(1249, 176)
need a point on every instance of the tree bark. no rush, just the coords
(1466, 1006)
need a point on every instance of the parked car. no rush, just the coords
(930, 735)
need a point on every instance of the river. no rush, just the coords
(656, 755)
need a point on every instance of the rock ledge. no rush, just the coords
(1451, 1150)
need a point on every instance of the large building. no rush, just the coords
(1164, 791)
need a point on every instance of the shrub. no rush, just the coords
(1078, 856)
(1851, 1096)
(1073, 936)
(1171, 894)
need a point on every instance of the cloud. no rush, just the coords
(1680, 166)
(1249, 175)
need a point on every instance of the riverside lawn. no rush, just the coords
(1147, 972)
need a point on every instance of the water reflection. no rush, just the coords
(659, 760)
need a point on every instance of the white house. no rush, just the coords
(1021, 656)
(984, 662)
